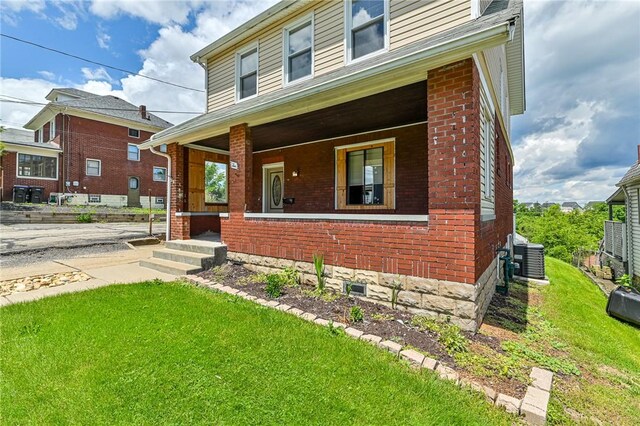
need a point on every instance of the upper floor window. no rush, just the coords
(134, 133)
(133, 152)
(299, 51)
(39, 134)
(52, 129)
(247, 70)
(367, 27)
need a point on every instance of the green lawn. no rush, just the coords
(174, 354)
(607, 351)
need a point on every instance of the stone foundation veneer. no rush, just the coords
(464, 304)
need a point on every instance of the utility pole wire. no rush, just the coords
(98, 63)
(34, 103)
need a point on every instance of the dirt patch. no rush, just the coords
(383, 321)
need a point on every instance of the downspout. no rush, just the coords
(168, 219)
(629, 233)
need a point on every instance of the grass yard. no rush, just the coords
(174, 354)
(607, 351)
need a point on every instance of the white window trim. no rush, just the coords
(347, 34)
(52, 129)
(137, 130)
(239, 54)
(86, 166)
(489, 139)
(40, 134)
(137, 147)
(285, 49)
(154, 174)
(35, 177)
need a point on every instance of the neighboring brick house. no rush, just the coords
(374, 132)
(100, 161)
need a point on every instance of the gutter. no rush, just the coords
(168, 220)
(502, 29)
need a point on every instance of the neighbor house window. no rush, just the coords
(37, 166)
(299, 51)
(94, 167)
(134, 133)
(160, 174)
(133, 152)
(247, 70)
(52, 129)
(367, 27)
(215, 182)
(366, 176)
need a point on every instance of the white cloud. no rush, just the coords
(158, 12)
(9, 9)
(16, 115)
(96, 74)
(47, 74)
(103, 38)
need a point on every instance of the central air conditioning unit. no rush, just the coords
(530, 260)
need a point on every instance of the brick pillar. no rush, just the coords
(179, 225)
(240, 179)
(454, 163)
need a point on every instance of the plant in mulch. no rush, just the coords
(356, 314)
(274, 286)
(318, 265)
(396, 287)
(449, 335)
(382, 317)
(291, 276)
(348, 289)
(335, 331)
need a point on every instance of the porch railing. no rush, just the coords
(615, 239)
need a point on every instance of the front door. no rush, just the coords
(133, 195)
(274, 189)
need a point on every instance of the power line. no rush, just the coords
(98, 63)
(34, 103)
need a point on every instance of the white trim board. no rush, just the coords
(340, 216)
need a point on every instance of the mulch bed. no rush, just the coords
(397, 328)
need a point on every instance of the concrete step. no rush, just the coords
(170, 267)
(196, 246)
(205, 261)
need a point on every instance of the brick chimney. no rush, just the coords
(143, 111)
(638, 153)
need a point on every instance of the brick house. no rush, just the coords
(376, 133)
(99, 160)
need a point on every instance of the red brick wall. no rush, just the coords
(179, 225)
(83, 138)
(10, 179)
(314, 187)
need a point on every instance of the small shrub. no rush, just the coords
(252, 279)
(356, 314)
(291, 276)
(449, 335)
(84, 218)
(382, 317)
(396, 287)
(624, 280)
(318, 264)
(219, 273)
(275, 284)
(348, 289)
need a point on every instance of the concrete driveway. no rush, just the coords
(27, 237)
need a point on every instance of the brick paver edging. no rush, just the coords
(533, 406)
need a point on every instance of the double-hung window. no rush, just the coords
(133, 152)
(94, 167)
(52, 129)
(299, 51)
(366, 176)
(247, 70)
(366, 27)
(159, 174)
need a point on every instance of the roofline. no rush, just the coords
(17, 146)
(482, 36)
(59, 108)
(248, 28)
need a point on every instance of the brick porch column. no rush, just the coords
(240, 179)
(179, 225)
(454, 165)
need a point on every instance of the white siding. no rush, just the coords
(633, 221)
(329, 37)
(415, 20)
(496, 60)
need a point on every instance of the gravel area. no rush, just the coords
(390, 324)
(42, 255)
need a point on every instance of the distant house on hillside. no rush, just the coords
(86, 146)
(592, 204)
(569, 206)
(548, 204)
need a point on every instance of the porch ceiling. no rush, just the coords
(397, 107)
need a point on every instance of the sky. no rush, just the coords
(574, 142)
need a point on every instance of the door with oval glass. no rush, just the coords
(133, 195)
(273, 188)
